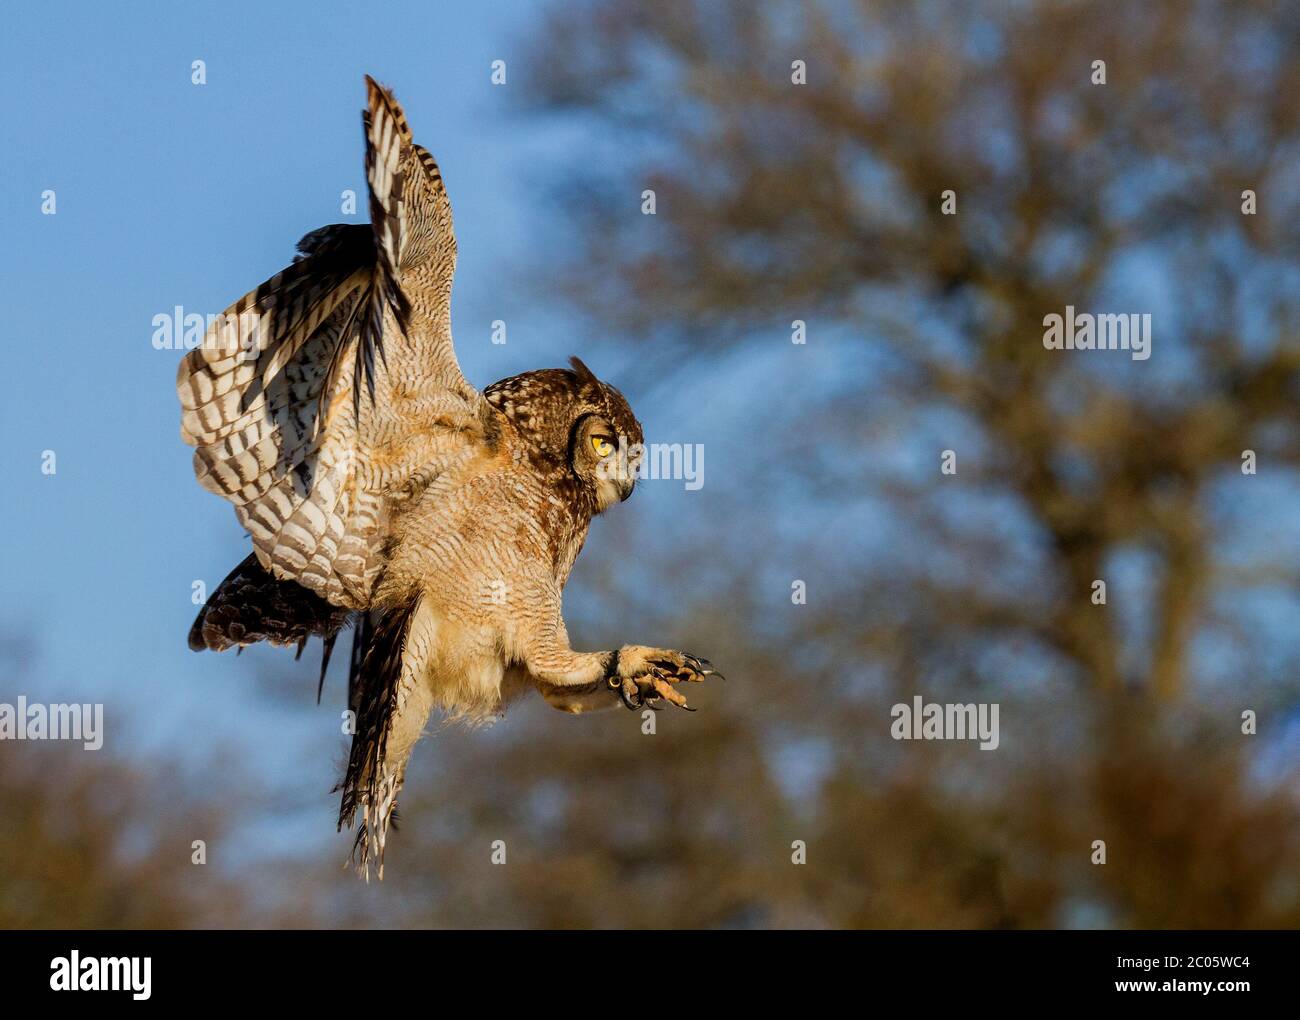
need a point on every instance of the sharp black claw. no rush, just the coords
(628, 702)
(701, 666)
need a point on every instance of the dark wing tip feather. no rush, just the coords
(388, 137)
(197, 642)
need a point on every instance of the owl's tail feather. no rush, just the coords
(374, 776)
(251, 605)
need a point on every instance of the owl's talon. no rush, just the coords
(701, 666)
(691, 669)
(663, 688)
(655, 673)
(630, 694)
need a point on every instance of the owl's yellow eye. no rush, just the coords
(602, 446)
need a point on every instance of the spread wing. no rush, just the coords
(323, 398)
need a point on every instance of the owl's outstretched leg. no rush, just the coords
(571, 680)
(593, 697)
(638, 676)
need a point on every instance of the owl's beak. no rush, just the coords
(625, 487)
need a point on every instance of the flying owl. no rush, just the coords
(381, 490)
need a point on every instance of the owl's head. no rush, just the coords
(580, 432)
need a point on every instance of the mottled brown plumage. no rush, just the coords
(327, 405)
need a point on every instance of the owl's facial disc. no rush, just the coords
(606, 460)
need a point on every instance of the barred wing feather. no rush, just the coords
(319, 399)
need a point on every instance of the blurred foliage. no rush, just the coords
(90, 841)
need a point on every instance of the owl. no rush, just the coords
(382, 491)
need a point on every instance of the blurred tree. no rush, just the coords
(90, 841)
(824, 202)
